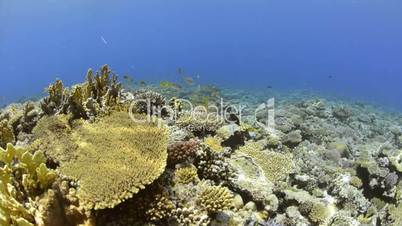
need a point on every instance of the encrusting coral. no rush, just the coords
(112, 158)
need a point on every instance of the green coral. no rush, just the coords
(112, 158)
(276, 166)
(215, 199)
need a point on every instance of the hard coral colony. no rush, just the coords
(78, 158)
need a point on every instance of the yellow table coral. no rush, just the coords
(111, 159)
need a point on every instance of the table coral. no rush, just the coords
(276, 166)
(112, 159)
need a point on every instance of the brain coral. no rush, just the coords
(111, 159)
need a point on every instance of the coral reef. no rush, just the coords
(76, 157)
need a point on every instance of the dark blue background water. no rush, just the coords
(287, 44)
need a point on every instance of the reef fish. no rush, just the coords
(167, 84)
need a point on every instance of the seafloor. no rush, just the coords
(90, 155)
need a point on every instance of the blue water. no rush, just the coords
(350, 48)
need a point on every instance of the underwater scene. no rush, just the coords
(201, 113)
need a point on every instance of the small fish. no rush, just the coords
(103, 40)
(143, 83)
(128, 78)
(330, 77)
(167, 84)
(269, 87)
(189, 80)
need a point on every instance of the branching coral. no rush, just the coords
(276, 166)
(212, 165)
(215, 199)
(183, 151)
(160, 207)
(97, 95)
(152, 204)
(191, 216)
(112, 159)
(186, 175)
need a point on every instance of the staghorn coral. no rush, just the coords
(215, 199)
(111, 159)
(97, 95)
(276, 166)
(183, 151)
(186, 175)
